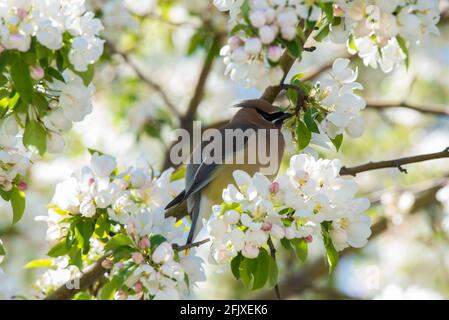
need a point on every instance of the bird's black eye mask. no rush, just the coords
(275, 117)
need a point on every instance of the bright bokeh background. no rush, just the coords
(407, 258)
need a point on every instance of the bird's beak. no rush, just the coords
(281, 117)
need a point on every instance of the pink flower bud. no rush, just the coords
(144, 243)
(22, 186)
(274, 187)
(266, 226)
(138, 286)
(2, 49)
(91, 181)
(107, 264)
(36, 72)
(131, 228)
(138, 258)
(338, 11)
(119, 265)
(21, 13)
(235, 42)
(121, 295)
(309, 239)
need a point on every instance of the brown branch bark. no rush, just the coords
(151, 83)
(186, 120)
(286, 62)
(88, 278)
(95, 271)
(382, 105)
(396, 163)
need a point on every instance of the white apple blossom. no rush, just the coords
(336, 94)
(133, 202)
(48, 21)
(293, 206)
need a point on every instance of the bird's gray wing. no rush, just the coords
(205, 172)
(199, 175)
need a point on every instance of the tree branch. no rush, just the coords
(286, 62)
(95, 271)
(186, 120)
(396, 163)
(382, 105)
(152, 84)
(273, 256)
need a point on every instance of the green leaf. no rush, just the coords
(293, 48)
(55, 74)
(20, 75)
(83, 296)
(262, 270)
(83, 232)
(292, 95)
(178, 174)
(75, 257)
(87, 76)
(41, 103)
(94, 151)
(351, 43)
(119, 240)
(196, 41)
(323, 33)
(108, 291)
(59, 249)
(273, 273)
(156, 240)
(303, 135)
(245, 272)
(310, 122)
(35, 136)
(337, 141)
(332, 256)
(235, 265)
(2, 250)
(40, 263)
(328, 9)
(102, 227)
(5, 194)
(301, 248)
(286, 243)
(403, 45)
(17, 199)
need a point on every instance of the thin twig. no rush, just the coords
(395, 163)
(286, 62)
(273, 255)
(151, 83)
(95, 271)
(382, 105)
(190, 245)
(68, 290)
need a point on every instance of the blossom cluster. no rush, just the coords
(342, 105)
(50, 22)
(380, 31)
(48, 49)
(309, 200)
(262, 29)
(124, 213)
(119, 16)
(14, 159)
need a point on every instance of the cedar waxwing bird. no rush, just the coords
(206, 180)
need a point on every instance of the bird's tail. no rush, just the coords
(194, 214)
(177, 200)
